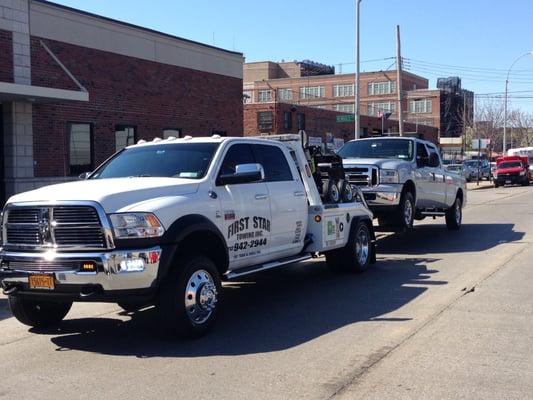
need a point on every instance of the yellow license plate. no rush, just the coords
(41, 282)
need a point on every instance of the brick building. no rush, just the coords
(281, 118)
(75, 87)
(317, 85)
(294, 83)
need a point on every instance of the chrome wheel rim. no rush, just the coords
(200, 297)
(408, 213)
(362, 246)
(334, 193)
(458, 212)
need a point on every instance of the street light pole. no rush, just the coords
(529, 53)
(357, 114)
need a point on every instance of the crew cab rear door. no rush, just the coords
(288, 200)
(245, 211)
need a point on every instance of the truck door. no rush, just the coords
(438, 181)
(245, 212)
(288, 200)
(423, 177)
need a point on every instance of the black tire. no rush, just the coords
(454, 215)
(358, 253)
(190, 297)
(131, 306)
(405, 218)
(346, 191)
(38, 314)
(334, 195)
(525, 183)
(496, 185)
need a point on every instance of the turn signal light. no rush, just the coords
(88, 267)
(318, 218)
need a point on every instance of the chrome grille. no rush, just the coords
(364, 176)
(54, 227)
(43, 266)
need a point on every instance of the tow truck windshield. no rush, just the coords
(389, 148)
(180, 160)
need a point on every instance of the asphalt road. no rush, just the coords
(441, 315)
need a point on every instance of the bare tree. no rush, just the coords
(521, 123)
(489, 123)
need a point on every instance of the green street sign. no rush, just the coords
(346, 118)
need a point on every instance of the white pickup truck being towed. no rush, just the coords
(403, 179)
(164, 222)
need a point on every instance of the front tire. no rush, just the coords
(358, 253)
(38, 314)
(454, 215)
(190, 297)
(406, 211)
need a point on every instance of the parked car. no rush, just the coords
(402, 179)
(457, 168)
(512, 170)
(475, 167)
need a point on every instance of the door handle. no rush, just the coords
(261, 196)
(299, 194)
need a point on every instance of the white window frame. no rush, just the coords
(284, 94)
(343, 90)
(312, 92)
(380, 88)
(421, 106)
(264, 96)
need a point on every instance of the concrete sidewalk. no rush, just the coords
(482, 185)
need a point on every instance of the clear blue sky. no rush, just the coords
(475, 39)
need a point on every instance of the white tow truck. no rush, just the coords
(164, 222)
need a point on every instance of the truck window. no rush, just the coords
(236, 155)
(378, 148)
(274, 163)
(433, 150)
(421, 151)
(180, 160)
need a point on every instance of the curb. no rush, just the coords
(481, 187)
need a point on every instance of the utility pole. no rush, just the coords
(399, 80)
(464, 126)
(357, 114)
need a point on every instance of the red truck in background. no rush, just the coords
(512, 170)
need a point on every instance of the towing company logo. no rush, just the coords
(259, 224)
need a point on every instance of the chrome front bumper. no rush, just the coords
(383, 195)
(110, 275)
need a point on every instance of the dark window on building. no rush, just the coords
(287, 120)
(171, 132)
(80, 149)
(301, 121)
(274, 163)
(236, 155)
(264, 121)
(125, 135)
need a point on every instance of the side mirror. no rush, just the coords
(244, 173)
(434, 160)
(84, 176)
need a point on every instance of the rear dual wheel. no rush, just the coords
(357, 255)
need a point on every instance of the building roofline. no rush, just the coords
(130, 25)
(332, 76)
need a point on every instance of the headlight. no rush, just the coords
(522, 173)
(136, 225)
(389, 176)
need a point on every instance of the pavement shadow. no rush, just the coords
(437, 239)
(280, 310)
(5, 312)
